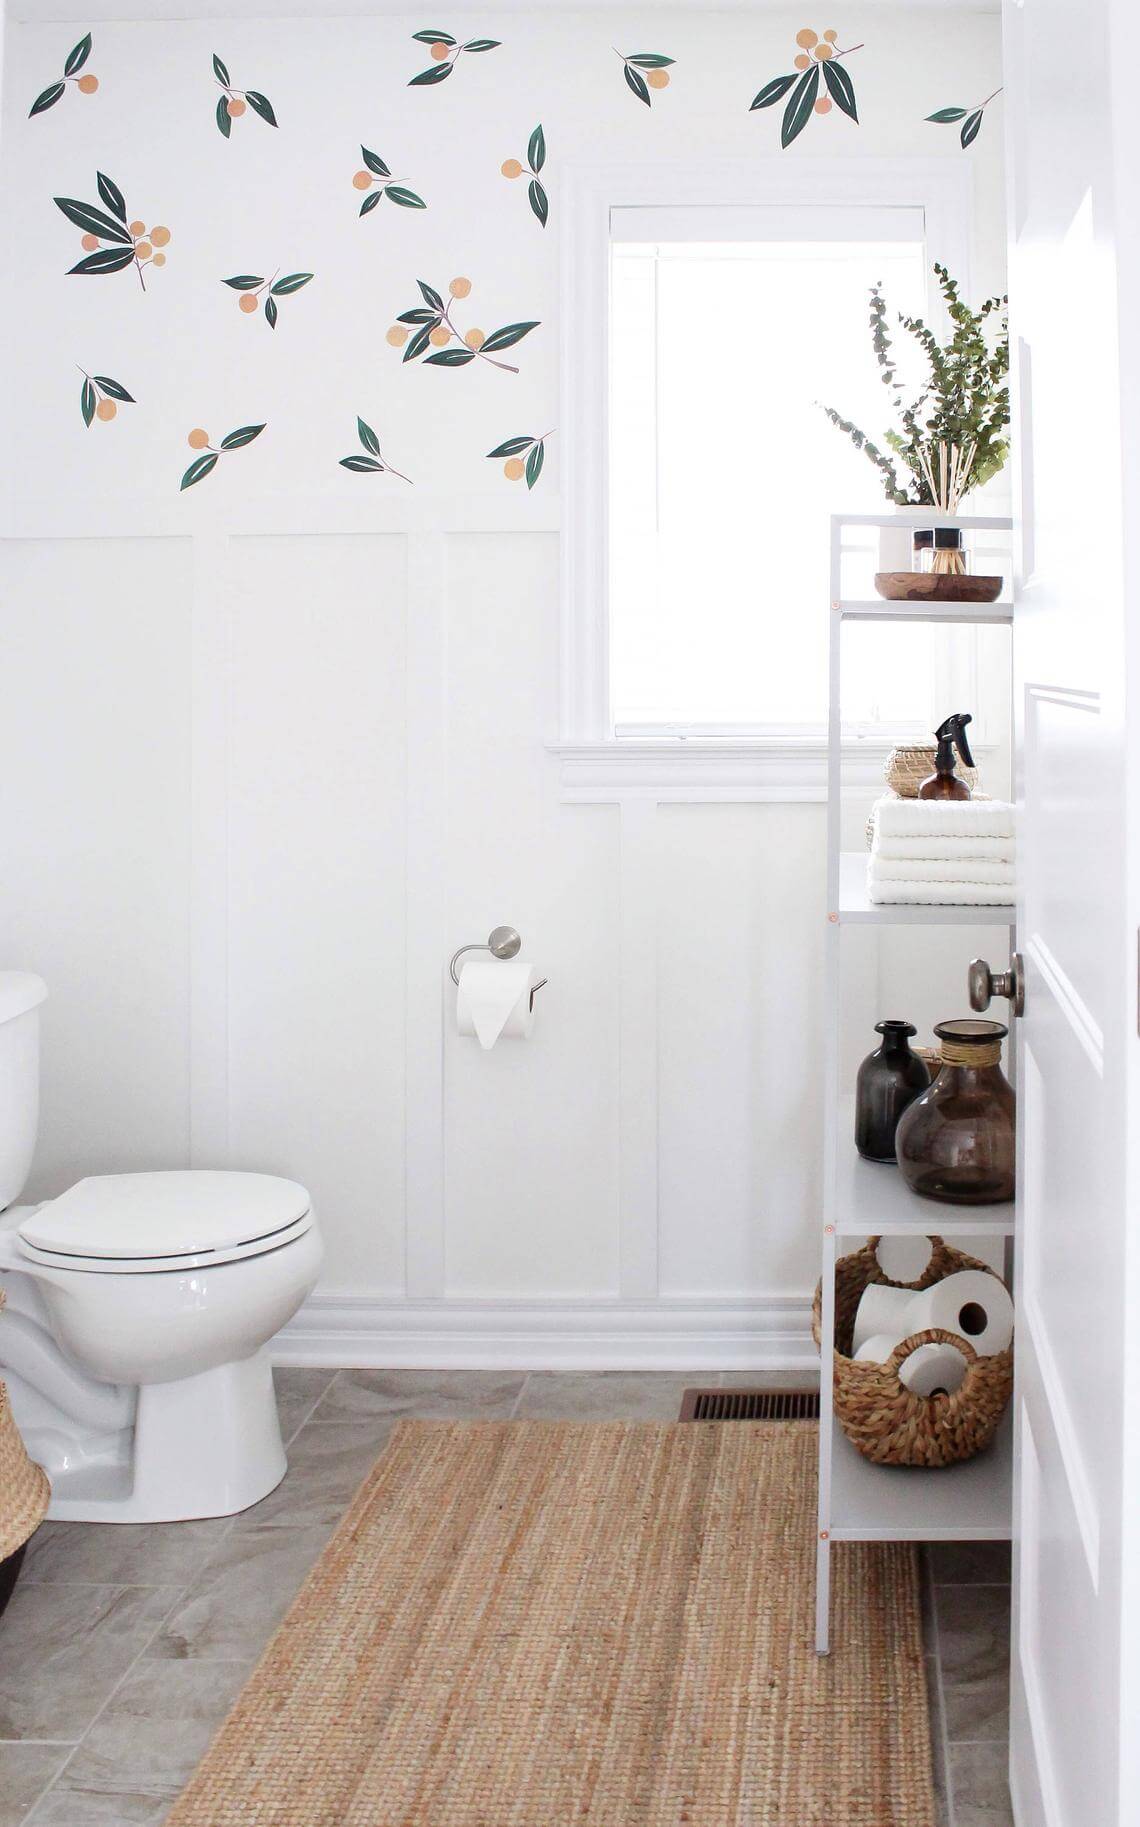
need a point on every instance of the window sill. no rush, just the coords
(692, 771)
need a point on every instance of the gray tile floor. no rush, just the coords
(124, 1646)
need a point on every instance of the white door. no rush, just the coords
(1074, 236)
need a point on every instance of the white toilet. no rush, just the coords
(139, 1309)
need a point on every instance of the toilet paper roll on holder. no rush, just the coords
(502, 942)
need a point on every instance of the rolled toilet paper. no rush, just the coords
(972, 1303)
(904, 1258)
(932, 1368)
(880, 1310)
(493, 1002)
(877, 1349)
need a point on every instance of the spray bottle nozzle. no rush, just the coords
(952, 734)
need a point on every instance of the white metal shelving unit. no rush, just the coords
(859, 1501)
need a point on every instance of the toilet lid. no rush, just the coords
(155, 1217)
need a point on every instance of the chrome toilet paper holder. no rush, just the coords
(502, 942)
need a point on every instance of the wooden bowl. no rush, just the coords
(936, 587)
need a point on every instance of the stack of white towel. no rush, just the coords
(939, 852)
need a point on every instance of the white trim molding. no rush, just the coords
(678, 771)
(765, 1332)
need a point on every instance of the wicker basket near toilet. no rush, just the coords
(24, 1487)
(879, 1415)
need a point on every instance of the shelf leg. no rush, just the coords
(823, 1598)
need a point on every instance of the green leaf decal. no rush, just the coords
(947, 115)
(370, 201)
(971, 128)
(87, 401)
(245, 435)
(421, 315)
(536, 150)
(374, 164)
(220, 70)
(46, 99)
(112, 196)
(437, 73)
(407, 199)
(649, 60)
(77, 56)
(368, 437)
(450, 358)
(511, 447)
(418, 343)
(799, 108)
(773, 92)
(261, 105)
(482, 44)
(292, 282)
(430, 295)
(244, 282)
(105, 260)
(534, 464)
(841, 87)
(115, 388)
(508, 336)
(92, 220)
(200, 467)
(431, 37)
(360, 464)
(637, 84)
(539, 201)
(271, 311)
(222, 116)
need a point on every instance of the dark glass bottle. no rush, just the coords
(956, 1141)
(889, 1080)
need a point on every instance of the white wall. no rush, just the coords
(272, 748)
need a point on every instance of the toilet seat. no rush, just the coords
(153, 1223)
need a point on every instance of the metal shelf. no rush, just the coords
(970, 1502)
(856, 908)
(872, 1197)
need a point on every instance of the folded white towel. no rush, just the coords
(937, 894)
(942, 818)
(952, 848)
(937, 869)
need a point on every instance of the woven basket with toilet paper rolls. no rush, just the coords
(885, 1420)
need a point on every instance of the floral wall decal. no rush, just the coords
(128, 244)
(536, 159)
(372, 461)
(86, 84)
(251, 287)
(431, 324)
(376, 179)
(232, 102)
(512, 449)
(656, 73)
(445, 54)
(200, 440)
(98, 396)
(971, 118)
(815, 54)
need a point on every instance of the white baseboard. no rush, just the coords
(765, 1333)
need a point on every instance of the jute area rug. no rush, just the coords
(549, 1624)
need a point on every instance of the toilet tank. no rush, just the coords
(20, 996)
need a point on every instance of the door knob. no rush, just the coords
(985, 983)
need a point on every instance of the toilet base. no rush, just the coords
(207, 1445)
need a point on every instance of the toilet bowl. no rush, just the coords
(140, 1307)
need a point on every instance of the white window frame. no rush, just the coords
(596, 763)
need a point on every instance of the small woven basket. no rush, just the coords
(885, 1420)
(907, 767)
(24, 1487)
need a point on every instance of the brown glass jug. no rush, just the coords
(955, 1143)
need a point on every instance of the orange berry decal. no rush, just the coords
(252, 286)
(98, 396)
(372, 461)
(126, 244)
(514, 469)
(971, 119)
(657, 73)
(377, 174)
(200, 440)
(536, 159)
(445, 52)
(431, 326)
(232, 102)
(86, 84)
(815, 54)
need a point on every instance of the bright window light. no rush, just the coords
(724, 472)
